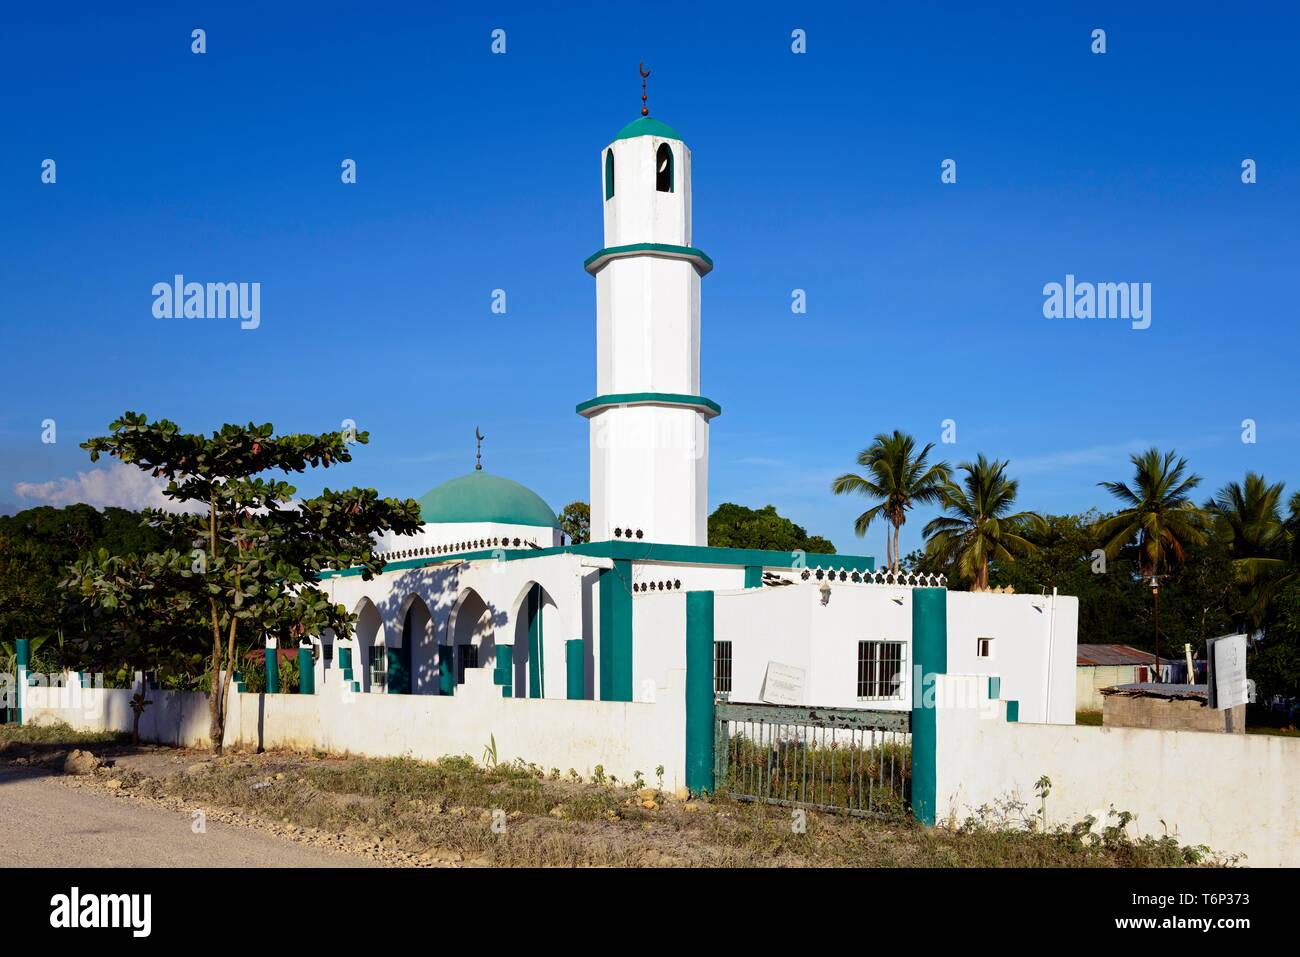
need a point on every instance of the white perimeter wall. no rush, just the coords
(623, 737)
(178, 718)
(1236, 793)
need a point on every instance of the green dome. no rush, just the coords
(648, 126)
(480, 497)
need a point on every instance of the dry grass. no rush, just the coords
(455, 810)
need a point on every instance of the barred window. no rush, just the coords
(880, 670)
(722, 667)
(378, 669)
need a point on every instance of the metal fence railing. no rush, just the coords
(845, 760)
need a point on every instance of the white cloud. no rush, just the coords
(124, 486)
(1074, 458)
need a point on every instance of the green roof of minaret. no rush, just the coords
(648, 126)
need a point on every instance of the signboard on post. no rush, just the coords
(783, 684)
(1226, 664)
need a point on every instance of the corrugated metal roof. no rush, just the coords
(1113, 655)
(1194, 692)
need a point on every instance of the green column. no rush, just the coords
(699, 691)
(23, 655)
(575, 670)
(446, 671)
(616, 632)
(535, 670)
(272, 669)
(753, 576)
(306, 671)
(399, 661)
(929, 658)
(504, 672)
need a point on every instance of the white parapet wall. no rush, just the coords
(621, 737)
(178, 718)
(1236, 794)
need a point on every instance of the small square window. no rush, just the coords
(983, 647)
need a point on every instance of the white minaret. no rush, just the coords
(649, 421)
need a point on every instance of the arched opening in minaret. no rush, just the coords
(664, 168)
(609, 174)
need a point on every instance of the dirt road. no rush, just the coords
(43, 823)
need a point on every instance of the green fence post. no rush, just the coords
(753, 576)
(929, 659)
(306, 670)
(272, 653)
(575, 670)
(23, 656)
(699, 692)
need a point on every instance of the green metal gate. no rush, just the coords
(847, 760)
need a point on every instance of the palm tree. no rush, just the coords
(1248, 516)
(979, 526)
(899, 478)
(1159, 513)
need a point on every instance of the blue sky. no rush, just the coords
(818, 171)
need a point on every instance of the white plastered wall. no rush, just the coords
(1235, 793)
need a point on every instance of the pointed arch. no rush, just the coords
(539, 637)
(368, 660)
(472, 634)
(609, 173)
(413, 666)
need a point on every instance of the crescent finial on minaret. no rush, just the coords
(645, 110)
(478, 449)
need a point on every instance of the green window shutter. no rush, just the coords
(446, 676)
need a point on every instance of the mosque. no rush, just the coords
(490, 581)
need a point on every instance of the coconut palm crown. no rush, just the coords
(1157, 511)
(1248, 517)
(978, 526)
(897, 477)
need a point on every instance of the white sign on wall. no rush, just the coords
(783, 684)
(1226, 664)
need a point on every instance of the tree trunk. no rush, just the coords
(216, 704)
(216, 720)
(216, 716)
